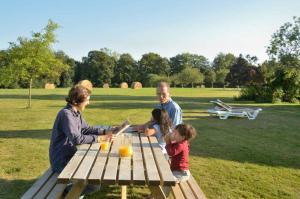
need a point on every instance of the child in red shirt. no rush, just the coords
(178, 149)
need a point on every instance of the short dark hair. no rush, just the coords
(78, 94)
(186, 130)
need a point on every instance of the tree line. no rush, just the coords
(31, 62)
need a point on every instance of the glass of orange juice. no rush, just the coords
(125, 148)
(104, 143)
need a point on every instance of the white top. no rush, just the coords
(160, 138)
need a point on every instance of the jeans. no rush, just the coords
(181, 176)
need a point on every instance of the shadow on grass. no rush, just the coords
(12, 189)
(33, 134)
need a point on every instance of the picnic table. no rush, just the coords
(146, 166)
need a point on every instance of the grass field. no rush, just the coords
(234, 158)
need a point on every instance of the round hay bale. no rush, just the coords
(49, 86)
(86, 83)
(123, 85)
(136, 85)
(106, 85)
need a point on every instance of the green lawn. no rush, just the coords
(234, 158)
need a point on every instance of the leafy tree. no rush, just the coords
(242, 73)
(181, 61)
(285, 44)
(66, 78)
(210, 78)
(97, 67)
(33, 58)
(220, 76)
(155, 79)
(223, 61)
(152, 63)
(188, 76)
(125, 70)
(7, 79)
(288, 79)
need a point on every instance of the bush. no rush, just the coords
(258, 93)
(277, 95)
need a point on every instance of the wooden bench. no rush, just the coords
(187, 190)
(45, 187)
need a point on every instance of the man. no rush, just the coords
(166, 102)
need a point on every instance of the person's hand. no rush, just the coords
(140, 128)
(110, 135)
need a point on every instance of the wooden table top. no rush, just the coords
(147, 165)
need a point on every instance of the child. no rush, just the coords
(178, 149)
(161, 126)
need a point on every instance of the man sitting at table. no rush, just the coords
(165, 102)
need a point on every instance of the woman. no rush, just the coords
(70, 129)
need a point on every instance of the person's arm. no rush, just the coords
(174, 149)
(90, 130)
(176, 116)
(69, 126)
(149, 131)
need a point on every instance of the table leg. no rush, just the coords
(124, 192)
(157, 192)
(76, 190)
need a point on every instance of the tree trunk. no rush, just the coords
(181, 85)
(29, 97)
(212, 84)
(192, 85)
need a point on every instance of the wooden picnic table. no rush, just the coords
(146, 166)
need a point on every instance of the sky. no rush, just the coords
(166, 27)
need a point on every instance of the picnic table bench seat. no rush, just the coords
(45, 187)
(187, 190)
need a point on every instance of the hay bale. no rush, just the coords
(49, 86)
(136, 85)
(106, 85)
(86, 83)
(123, 85)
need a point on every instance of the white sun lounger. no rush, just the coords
(223, 111)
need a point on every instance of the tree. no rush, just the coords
(125, 70)
(188, 76)
(223, 61)
(220, 76)
(285, 44)
(7, 79)
(66, 78)
(210, 78)
(242, 73)
(98, 67)
(181, 61)
(32, 58)
(152, 63)
(155, 79)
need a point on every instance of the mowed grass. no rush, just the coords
(234, 158)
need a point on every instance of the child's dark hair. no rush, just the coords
(187, 131)
(161, 116)
(77, 95)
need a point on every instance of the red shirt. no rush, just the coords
(179, 152)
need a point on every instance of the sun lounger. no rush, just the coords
(223, 111)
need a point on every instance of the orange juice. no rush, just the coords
(125, 150)
(104, 146)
